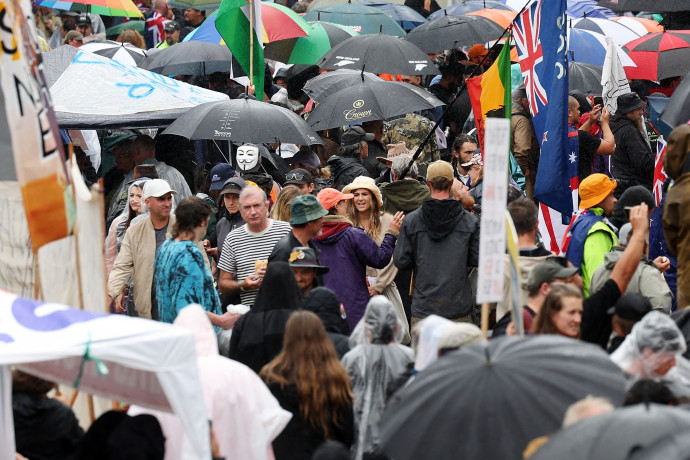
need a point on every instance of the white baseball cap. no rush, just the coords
(156, 188)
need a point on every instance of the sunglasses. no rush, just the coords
(295, 176)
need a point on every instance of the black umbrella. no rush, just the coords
(319, 88)
(243, 120)
(192, 58)
(585, 77)
(677, 111)
(675, 446)
(615, 435)
(646, 5)
(122, 52)
(488, 401)
(366, 101)
(378, 54)
(448, 32)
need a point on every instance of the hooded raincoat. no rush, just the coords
(347, 251)
(376, 360)
(244, 415)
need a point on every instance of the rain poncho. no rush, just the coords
(653, 342)
(437, 333)
(244, 415)
(376, 359)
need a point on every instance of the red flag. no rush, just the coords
(660, 175)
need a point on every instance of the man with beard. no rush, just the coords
(633, 162)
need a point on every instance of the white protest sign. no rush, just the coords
(492, 234)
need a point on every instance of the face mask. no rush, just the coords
(248, 158)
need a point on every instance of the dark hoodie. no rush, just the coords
(345, 170)
(403, 195)
(441, 242)
(326, 305)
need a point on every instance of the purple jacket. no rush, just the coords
(347, 251)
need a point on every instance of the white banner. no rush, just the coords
(613, 77)
(492, 234)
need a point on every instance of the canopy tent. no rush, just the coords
(148, 363)
(117, 95)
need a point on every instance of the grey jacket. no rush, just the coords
(440, 240)
(646, 281)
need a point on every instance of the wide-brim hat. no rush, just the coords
(393, 151)
(306, 257)
(367, 183)
(628, 102)
(594, 188)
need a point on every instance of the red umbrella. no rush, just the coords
(660, 55)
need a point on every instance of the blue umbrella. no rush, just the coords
(403, 15)
(589, 9)
(469, 7)
(363, 19)
(590, 48)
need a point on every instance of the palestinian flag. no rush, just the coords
(490, 93)
(233, 24)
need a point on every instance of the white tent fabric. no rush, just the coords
(96, 92)
(149, 363)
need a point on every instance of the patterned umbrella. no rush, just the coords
(403, 15)
(660, 55)
(124, 53)
(363, 19)
(642, 26)
(279, 23)
(501, 17)
(620, 33)
(124, 8)
(308, 50)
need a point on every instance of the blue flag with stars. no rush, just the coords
(540, 36)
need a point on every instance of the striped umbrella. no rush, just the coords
(279, 23)
(660, 55)
(642, 26)
(620, 33)
(308, 50)
(124, 8)
(124, 53)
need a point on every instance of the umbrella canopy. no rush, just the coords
(319, 88)
(675, 446)
(615, 435)
(517, 387)
(379, 54)
(117, 95)
(620, 33)
(641, 26)
(148, 362)
(501, 17)
(660, 55)
(588, 9)
(308, 50)
(279, 23)
(124, 53)
(243, 120)
(468, 7)
(590, 48)
(196, 4)
(113, 32)
(448, 32)
(403, 15)
(658, 6)
(367, 101)
(677, 111)
(125, 8)
(362, 18)
(585, 77)
(192, 58)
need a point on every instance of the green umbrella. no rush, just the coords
(308, 50)
(115, 31)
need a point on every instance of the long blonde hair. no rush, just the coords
(374, 215)
(309, 362)
(281, 208)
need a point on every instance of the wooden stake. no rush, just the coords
(485, 320)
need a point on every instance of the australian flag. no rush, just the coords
(541, 37)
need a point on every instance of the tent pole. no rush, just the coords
(77, 263)
(101, 206)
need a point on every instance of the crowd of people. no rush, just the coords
(320, 279)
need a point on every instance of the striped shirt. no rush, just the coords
(242, 248)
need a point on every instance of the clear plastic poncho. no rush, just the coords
(375, 360)
(653, 350)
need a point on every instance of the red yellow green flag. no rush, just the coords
(490, 93)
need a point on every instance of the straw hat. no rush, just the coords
(365, 183)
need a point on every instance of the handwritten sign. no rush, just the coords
(492, 234)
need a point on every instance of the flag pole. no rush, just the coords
(251, 41)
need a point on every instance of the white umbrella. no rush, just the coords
(620, 33)
(124, 53)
